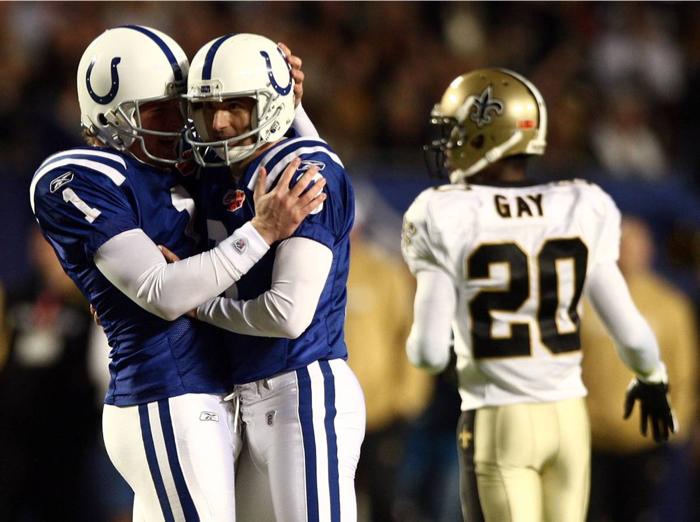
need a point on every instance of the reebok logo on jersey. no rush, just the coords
(303, 167)
(307, 164)
(241, 245)
(270, 417)
(208, 416)
(233, 200)
(61, 180)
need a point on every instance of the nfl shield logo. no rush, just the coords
(233, 200)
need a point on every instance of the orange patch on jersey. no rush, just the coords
(233, 200)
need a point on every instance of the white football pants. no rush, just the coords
(303, 430)
(177, 455)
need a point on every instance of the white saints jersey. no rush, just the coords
(518, 258)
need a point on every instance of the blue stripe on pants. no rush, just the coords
(169, 436)
(307, 433)
(153, 463)
(331, 439)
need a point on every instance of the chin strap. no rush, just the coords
(492, 156)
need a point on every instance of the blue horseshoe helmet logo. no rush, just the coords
(276, 86)
(103, 100)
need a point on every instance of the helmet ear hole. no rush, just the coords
(102, 119)
(477, 142)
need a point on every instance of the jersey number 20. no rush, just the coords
(517, 291)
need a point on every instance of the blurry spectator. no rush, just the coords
(378, 320)
(637, 46)
(624, 138)
(633, 479)
(48, 412)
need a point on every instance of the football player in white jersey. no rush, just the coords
(502, 262)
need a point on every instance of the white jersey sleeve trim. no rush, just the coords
(85, 152)
(273, 174)
(299, 275)
(135, 265)
(112, 173)
(634, 339)
(428, 345)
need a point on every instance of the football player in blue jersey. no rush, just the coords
(302, 409)
(104, 208)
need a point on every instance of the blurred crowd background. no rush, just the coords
(622, 84)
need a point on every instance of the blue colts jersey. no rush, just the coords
(81, 199)
(228, 205)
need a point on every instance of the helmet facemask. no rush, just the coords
(263, 118)
(435, 151)
(122, 127)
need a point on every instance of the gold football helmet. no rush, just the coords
(484, 116)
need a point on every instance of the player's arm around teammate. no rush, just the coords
(104, 208)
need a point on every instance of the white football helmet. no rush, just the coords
(239, 66)
(122, 69)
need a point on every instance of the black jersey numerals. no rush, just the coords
(509, 299)
(557, 338)
(553, 252)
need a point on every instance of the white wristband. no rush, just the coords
(244, 248)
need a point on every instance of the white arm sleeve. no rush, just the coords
(299, 275)
(635, 341)
(428, 344)
(135, 265)
(303, 124)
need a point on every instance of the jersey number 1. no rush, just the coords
(557, 317)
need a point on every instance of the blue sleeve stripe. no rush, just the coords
(209, 58)
(280, 157)
(117, 177)
(177, 71)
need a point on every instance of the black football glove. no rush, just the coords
(655, 408)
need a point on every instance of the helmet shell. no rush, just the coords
(121, 69)
(242, 65)
(494, 113)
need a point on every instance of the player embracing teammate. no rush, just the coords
(169, 427)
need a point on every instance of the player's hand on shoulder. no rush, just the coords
(297, 74)
(655, 408)
(279, 212)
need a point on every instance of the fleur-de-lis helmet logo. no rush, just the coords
(484, 107)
